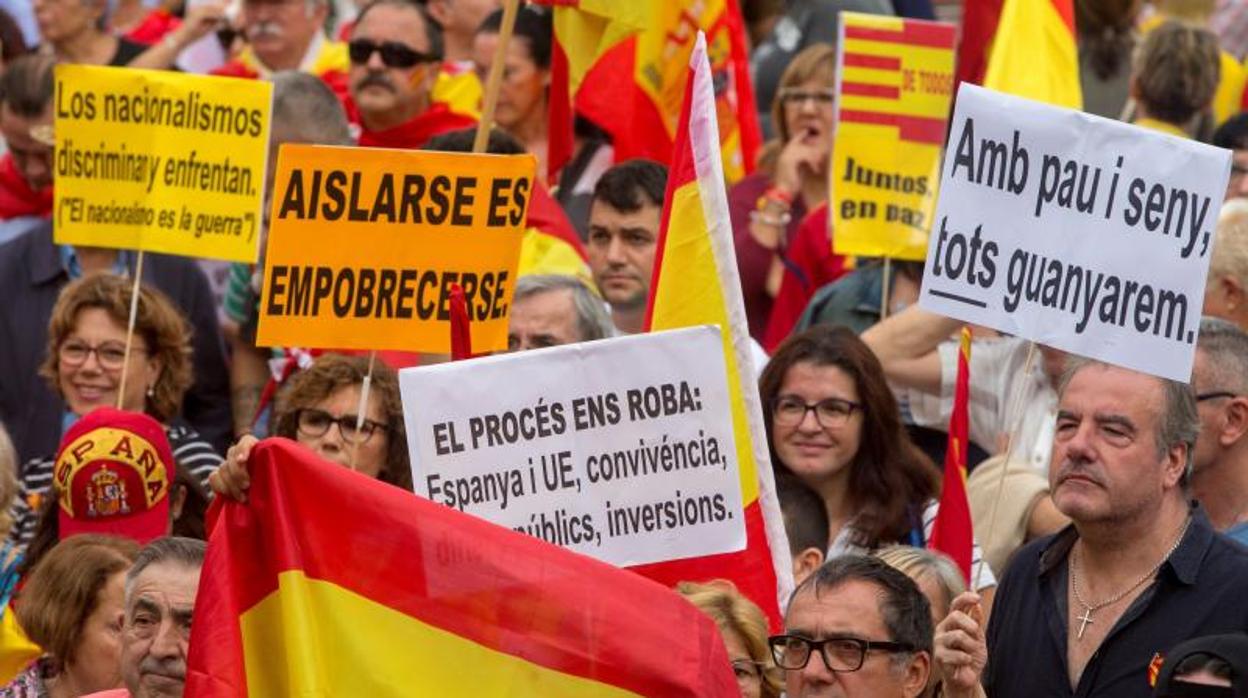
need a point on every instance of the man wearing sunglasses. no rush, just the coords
(1220, 465)
(396, 51)
(288, 35)
(856, 627)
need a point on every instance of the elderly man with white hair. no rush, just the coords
(1226, 289)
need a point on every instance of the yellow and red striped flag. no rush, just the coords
(622, 66)
(330, 583)
(953, 533)
(696, 282)
(1033, 52)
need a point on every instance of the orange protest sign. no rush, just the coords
(894, 86)
(365, 245)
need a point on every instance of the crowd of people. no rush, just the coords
(1110, 507)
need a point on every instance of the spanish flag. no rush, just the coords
(952, 532)
(621, 65)
(696, 282)
(330, 583)
(1033, 53)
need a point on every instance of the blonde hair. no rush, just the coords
(735, 614)
(8, 481)
(1193, 11)
(1230, 244)
(814, 61)
(921, 563)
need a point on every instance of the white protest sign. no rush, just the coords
(620, 449)
(1074, 231)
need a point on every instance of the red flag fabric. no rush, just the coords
(979, 26)
(330, 583)
(952, 532)
(696, 282)
(461, 334)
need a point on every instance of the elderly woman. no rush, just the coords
(319, 408)
(72, 606)
(744, 628)
(85, 361)
(792, 179)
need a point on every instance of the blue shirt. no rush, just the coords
(1238, 533)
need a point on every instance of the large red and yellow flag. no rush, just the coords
(1033, 53)
(622, 66)
(696, 282)
(952, 532)
(330, 583)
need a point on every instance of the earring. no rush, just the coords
(151, 391)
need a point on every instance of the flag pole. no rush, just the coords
(885, 287)
(495, 80)
(1016, 400)
(363, 406)
(134, 310)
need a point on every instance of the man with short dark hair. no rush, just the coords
(26, 170)
(550, 309)
(395, 52)
(1085, 611)
(156, 629)
(624, 220)
(1233, 135)
(1220, 465)
(805, 523)
(856, 627)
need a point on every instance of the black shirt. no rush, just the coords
(1201, 590)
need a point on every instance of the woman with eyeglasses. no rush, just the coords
(791, 180)
(834, 423)
(85, 359)
(319, 408)
(744, 628)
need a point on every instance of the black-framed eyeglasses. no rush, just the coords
(1215, 394)
(840, 654)
(110, 355)
(794, 95)
(789, 411)
(314, 422)
(393, 54)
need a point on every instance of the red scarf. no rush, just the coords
(16, 196)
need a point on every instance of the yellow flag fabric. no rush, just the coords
(1033, 53)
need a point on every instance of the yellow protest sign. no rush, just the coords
(365, 245)
(894, 86)
(160, 161)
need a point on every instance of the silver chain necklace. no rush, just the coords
(1089, 609)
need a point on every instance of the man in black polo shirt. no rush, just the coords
(1087, 611)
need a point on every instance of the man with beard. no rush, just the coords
(395, 52)
(1089, 610)
(288, 35)
(156, 628)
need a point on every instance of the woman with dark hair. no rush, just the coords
(834, 423)
(521, 109)
(319, 408)
(1106, 38)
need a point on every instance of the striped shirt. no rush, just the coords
(843, 545)
(189, 450)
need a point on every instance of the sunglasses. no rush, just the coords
(393, 54)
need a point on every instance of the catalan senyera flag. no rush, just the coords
(1033, 52)
(330, 583)
(894, 87)
(696, 282)
(622, 66)
(952, 532)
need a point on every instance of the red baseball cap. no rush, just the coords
(112, 475)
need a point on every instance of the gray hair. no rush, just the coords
(305, 110)
(592, 320)
(1178, 422)
(918, 563)
(185, 552)
(1230, 243)
(1226, 348)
